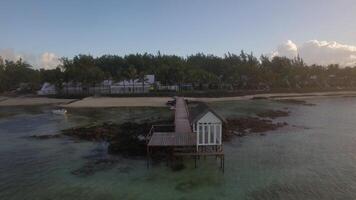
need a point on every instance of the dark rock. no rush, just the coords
(93, 166)
(44, 137)
(295, 101)
(259, 98)
(246, 125)
(273, 114)
(127, 139)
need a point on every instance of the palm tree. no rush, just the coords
(142, 77)
(132, 75)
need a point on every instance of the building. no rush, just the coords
(47, 89)
(196, 133)
(207, 124)
(106, 87)
(160, 87)
(133, 86)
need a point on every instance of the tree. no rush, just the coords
(142, 78)
(132, 75)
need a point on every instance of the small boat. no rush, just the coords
(59, 111)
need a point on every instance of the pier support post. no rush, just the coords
(148, 156)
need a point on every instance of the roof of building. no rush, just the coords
(198, 111)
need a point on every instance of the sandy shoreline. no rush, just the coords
(277, 96)
(101, 102)
(31, 101)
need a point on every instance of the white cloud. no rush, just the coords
(46, 60)
(319, 52)
(288, 49)
(49, 60)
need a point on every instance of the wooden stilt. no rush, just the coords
(223, 163)
(148, 156)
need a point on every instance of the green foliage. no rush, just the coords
(13, 74)
(232, 71)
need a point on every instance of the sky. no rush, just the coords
(41, 31)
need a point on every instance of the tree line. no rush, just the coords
(230, 72)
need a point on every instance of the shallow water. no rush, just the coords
(312, 158)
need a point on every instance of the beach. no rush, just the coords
(107, 102)
(31, 101)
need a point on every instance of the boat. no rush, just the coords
(59, 111)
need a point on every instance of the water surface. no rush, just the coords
(312, 158)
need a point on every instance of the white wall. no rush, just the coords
(209, 130)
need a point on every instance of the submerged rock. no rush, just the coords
(273, 114)
(246, 125)
(93, 166)
(127, 139)
(99, 132)
(44, 137)
(295, 101)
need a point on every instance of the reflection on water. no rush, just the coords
(312, 158)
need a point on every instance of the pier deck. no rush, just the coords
(182, 135)
(182, 141)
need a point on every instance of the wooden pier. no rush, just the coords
(181, 141)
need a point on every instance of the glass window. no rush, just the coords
(200, 133)
(206, 134)
(218, 133)
(212, 135)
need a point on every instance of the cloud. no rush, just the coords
(288, 49)
(49, 60)
(319, 52)
(46, 60)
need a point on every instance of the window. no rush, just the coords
(212, 134)
(206, 133)
(218, 133)
(200, 133)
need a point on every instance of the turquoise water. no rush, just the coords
(312, 158)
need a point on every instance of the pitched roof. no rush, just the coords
(198, 111)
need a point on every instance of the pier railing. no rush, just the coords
(159, 128)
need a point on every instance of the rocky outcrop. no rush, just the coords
(127, 139)
(273, 114)
(245, 125)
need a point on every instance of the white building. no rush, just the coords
(47, 89)
(207, 125)
(109, 87)
(167, 87)
(133, 86)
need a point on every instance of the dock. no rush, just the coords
(180, 140)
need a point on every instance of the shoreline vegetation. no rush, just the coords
(101, 102)
(196, 72)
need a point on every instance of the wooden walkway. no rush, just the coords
(182, 135)
(182, 141)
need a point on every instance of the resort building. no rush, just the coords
(195, 134)
(47, 89)
(133, 86)
(106, 87)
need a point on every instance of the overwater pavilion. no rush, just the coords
(193, 134)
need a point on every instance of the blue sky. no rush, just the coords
(182, 27)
